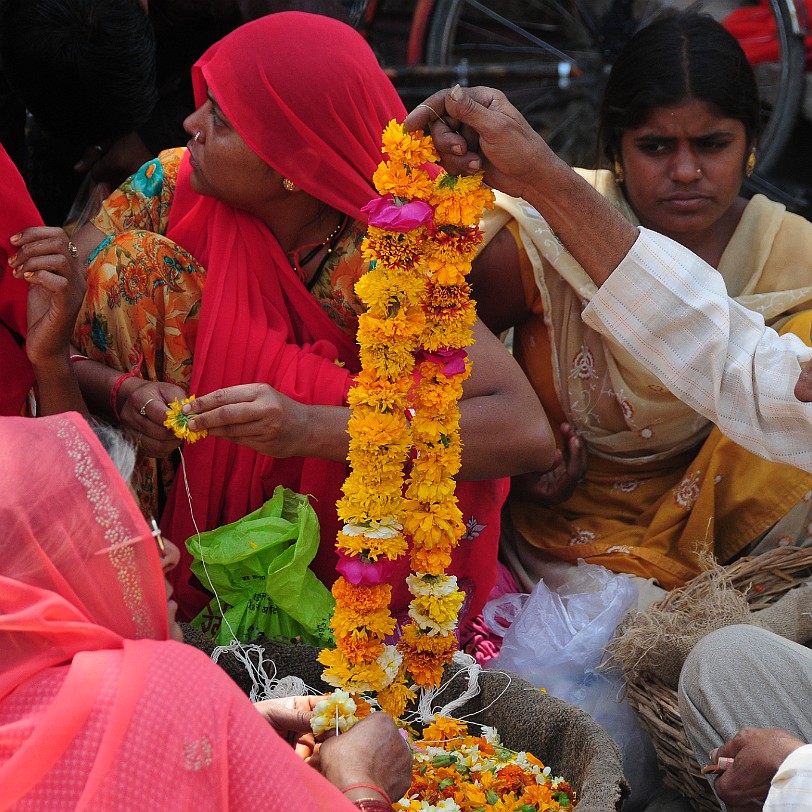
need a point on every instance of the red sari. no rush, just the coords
(306, 93)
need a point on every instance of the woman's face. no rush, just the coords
(224, 166)
(683, 168)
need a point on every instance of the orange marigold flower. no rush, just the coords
(443, 729)
(395, 696)
(426, 669)
(412, 148)
(363, 598)
(359, 649)
(432, 562)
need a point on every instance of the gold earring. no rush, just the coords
(289, 186)
(619, 176)
(750, 165)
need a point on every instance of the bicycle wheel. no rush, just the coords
(552, 59)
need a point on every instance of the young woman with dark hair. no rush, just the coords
(649, 486)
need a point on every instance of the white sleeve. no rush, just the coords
(791, 787)
(671, 311)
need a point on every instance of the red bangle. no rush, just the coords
(369, 786)
(114, 393)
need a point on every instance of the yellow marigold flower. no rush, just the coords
(433, 524)
(412, 148)
(404, 327)
(460, 201)
(390, 361)
(373, 548)
(426, 491)
(394, 698)
(437, 613)
(378, 429)
(438, 399)
(446, 335)
(435, 463)
(382, 289)
(402, 181)
(362, 598)
(341, 673)
(368, 507)
(441, 428)
(382, 394)
(178, 422)
(358, 649)
(441, 645)
(347, 620)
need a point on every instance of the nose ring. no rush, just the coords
(197, 135)
(698, 170)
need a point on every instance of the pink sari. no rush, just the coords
(17, 211)
(307, 95)
(88, 715)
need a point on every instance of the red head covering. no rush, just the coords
(17, 211)
(90, 715)
(306, 93)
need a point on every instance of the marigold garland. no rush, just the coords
(421, 240)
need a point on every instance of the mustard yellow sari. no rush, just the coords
(663, 486)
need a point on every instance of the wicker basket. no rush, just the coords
(763, 579)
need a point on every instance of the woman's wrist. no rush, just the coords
(367, 797)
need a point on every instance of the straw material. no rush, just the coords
(651, 647)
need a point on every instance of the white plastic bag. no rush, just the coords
(556, 642)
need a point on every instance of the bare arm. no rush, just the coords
(56, 288)
(504, 429)
(493, 136)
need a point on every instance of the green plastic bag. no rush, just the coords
(259, 568)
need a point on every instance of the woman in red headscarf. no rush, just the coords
(227, 269)
(89, 717)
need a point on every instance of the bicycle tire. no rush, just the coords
(565, 109)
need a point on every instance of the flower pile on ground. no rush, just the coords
(457, 772)
(421, 239)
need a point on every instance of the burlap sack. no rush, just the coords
(561, 735)
(657, 640)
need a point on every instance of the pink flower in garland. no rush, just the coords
(385, 213)
(366, 573)
(451, 362)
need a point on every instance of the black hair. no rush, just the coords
(681, 55)
(85, 69)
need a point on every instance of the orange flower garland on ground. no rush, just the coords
(421, 240)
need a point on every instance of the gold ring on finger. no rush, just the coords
(143, 410)
(74, 251)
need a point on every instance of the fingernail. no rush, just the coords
(192, 424)
(12, 259)
(28, 274)
(473, 166)
(16, 238)
(456, 149)
(456, 93)
(186, 408)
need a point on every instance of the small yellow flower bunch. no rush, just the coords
(421, 239)
(178, 422)
(455, 771)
